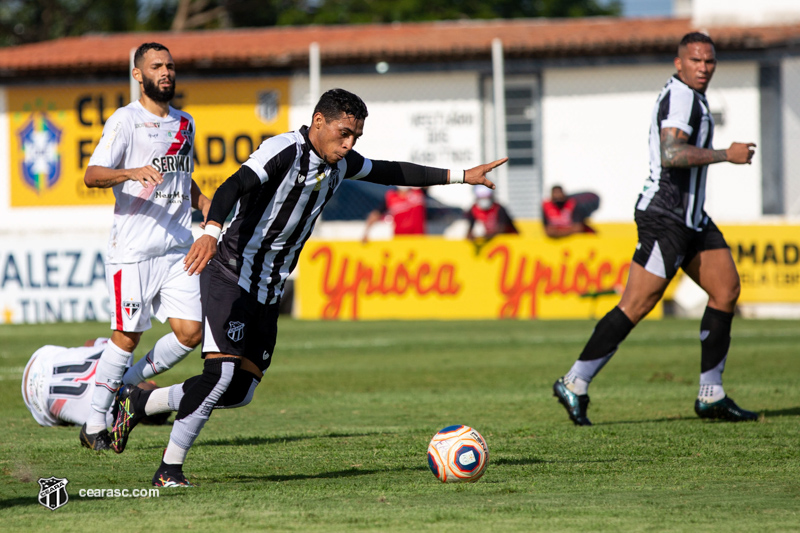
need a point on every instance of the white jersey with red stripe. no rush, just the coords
(57, 383)
(148, 222)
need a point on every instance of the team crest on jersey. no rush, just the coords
(131, 308)
(39, 142)
(53, 492)
(235, 331)
(267, 106)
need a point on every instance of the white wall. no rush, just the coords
(790, 83)
(744, 12)
(595, 129)
(432, 119)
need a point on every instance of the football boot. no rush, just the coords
(128, 415)
(95, 441)
(170, 476)
(724, 409)
(575, 404)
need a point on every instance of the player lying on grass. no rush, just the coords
(56, 385)
(278, 194)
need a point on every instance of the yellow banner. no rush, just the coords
(53, 132)
(508, 277)
(524, 277)
(768, 260)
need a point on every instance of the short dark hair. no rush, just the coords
(337, 101)
(143, 49)
(694, 37)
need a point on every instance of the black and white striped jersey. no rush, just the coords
(272, 222)
(678, 192)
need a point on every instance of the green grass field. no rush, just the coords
(336, 437)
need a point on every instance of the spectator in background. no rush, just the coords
(564, 215)
(406, 207)
(488, 218)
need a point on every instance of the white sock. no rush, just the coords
(174, 455)
(175, 396)
(575, 384)
(107, 380)
(710, 393)
(158, 402)
(165, 354)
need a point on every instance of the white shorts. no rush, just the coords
(158, 286)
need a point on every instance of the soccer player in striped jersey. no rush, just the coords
(278, 194)
(146, 156)
(674, 232)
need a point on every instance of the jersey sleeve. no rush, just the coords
(393, 172)
(110, 151)
(675, 111)
(273, 158)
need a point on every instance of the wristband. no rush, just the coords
(457, 175)
(213, 231)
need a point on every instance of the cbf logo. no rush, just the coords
(53, 492)
(41, 162)
(235, 331)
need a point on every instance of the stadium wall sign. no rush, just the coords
(53, 278)
(525, 277)
(508, 277)
(54, 129)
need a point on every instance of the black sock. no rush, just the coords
(607, 335)
(715, 338)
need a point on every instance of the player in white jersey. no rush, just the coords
(56, 384)
(146, 156)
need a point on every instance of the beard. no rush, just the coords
(152, 90)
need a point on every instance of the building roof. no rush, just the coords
(287, 47)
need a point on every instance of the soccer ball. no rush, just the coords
(457, 454)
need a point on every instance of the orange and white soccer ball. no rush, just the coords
(458, 454)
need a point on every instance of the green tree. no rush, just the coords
(27, 21)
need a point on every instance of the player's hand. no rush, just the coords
(741, 153)
(203, 249)
(146, 175)
(477, 175)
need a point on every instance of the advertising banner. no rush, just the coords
(49, 278)
(515, 277)
(53, 131)
(508, 277)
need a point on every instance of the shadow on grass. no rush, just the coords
(251, 441)
(336, 474)
(651, 421)
(522, 461)
(16, 502)
(792, 411)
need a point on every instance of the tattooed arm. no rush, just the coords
(676, 152)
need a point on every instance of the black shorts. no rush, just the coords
(666, 244)
(234, 321)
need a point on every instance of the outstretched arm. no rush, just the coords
(676, 152)
(413, 175)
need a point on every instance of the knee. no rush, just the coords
(725, 299)
(240, 392)
(126, 340)
(190, 334)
